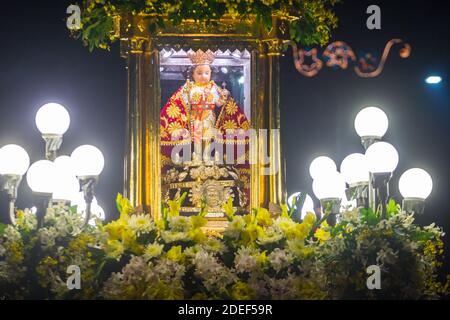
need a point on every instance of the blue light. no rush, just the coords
(433, 80)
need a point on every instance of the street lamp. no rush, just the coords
(356, 174)
(14, 163)
(329, 190)
(41, 180)
(382, 159)
(52, 120)
(321, 166)
(371, 124)
(88, 163)
(415, 186)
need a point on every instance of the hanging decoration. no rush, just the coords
(339, 55)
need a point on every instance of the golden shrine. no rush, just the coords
(245, 73)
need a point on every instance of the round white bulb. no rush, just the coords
(415, 183)
(41, 176)
(322, 166)
(14, 160)
(88, 161)
(354, 169)
(331, 186)
(66, 187)
(371, 122)
(308, 205)
(381, 157)
(65, 165)
(52, 118)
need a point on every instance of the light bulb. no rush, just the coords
(41, 177)
(415, 183)
(88, 161)
(308, 205)
(52, 118)
(381, 157)
(331, 186)
(65, 188)
(354, 169)
(14, 160)
(371, 122)
(65, 165)
(321, 166)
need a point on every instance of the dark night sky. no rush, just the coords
(40, 63)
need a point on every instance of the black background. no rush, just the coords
(40, 63)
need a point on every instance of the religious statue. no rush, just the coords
(200, 120)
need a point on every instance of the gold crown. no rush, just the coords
(200, 57)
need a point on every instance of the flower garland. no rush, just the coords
(316, 19)
(259, 256)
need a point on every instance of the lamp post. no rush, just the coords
(415, 186)
(88, 163)
(329, 190)
(371, 124)
(52, 120)
(356, 174)
(41, 180)
(14, 163)
(382, 159)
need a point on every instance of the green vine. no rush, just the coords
(316, 18)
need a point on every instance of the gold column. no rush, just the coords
(141, 176)
(272, 186)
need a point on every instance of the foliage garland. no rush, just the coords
(316, 18)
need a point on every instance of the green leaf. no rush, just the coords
(2, 228)
(392, 208)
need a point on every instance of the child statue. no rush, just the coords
(189, 117)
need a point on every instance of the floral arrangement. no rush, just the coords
(316, 19)
(259, 256)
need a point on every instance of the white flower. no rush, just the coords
(179, 223)
(214, 245)
(170, 236)
(216, 277)
(141, 223)
(271, 235)
(47, 237)
(279, 259)
(12, 234)
(235, 227)
(245, 260)
(153, 250)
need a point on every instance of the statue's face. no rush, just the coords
(202, 74)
